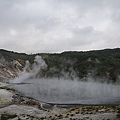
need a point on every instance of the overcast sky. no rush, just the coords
(37, 26)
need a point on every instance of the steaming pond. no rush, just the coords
(70, 92)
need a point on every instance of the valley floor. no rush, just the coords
(13, 106)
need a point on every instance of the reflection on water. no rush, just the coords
(66, 91)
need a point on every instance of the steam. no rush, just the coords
(64, 90)
(38, 65)
(30, 71)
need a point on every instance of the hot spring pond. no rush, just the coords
(70, 92)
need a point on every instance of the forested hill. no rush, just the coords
(103, 64)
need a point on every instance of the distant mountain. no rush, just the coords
(98, 64)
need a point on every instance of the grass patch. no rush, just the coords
(7, 116)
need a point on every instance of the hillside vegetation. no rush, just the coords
(103, 64)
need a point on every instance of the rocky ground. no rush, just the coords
(14, 106)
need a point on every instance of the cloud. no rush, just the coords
(57, 25)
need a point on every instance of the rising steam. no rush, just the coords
(31, 70)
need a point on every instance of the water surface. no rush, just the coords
(68, 91)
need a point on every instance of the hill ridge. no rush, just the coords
(103, 64)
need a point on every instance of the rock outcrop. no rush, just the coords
(9, 67)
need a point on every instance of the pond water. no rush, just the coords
(68, 91)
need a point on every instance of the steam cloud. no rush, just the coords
(30, 71)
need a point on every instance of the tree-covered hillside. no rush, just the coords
(104, 64)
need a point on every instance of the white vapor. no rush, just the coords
(30, 71)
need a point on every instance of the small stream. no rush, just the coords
(69, 92)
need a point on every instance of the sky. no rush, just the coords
(53, 26)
